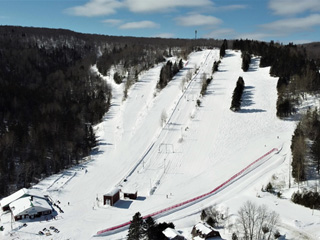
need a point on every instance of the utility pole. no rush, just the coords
(289, 175)
(195, 34)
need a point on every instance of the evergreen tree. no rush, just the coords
(136, 230)
(149, 229)
(168, 71)
(180, 64)
(284, 106)
(237, 95)
(282, 83)
(225, 42)
(117, 78)
(298, 149)
(246, 59)
(215, 66)
(315, 149)
(159, 228)
(175, 69)
(223, 48)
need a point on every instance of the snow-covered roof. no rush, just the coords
(7, 200)
(129, 190)
(112, 192)
(170, 232)
(197, 238)
(19, 194)
(29, 205)
(203, 228)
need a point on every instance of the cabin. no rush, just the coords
(5, 202)
(204, 231)
(26, 203)
(30, 207)
(111, 197)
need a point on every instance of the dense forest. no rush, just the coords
(50, 98)
(49, 101)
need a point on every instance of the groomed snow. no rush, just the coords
(194, 152)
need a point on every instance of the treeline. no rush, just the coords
(139, 57)
(168, 71)
(296, 71)
(305, 147)
(206, 81)
(308, 199)
(49, 100)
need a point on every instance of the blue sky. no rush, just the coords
(285, 21)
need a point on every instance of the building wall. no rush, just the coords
(131, 195)
(111, 198)
(38, 214)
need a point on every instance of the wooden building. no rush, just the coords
(205, 231)
(24, 192)
(30, 207)
(111, 197)
(130, 195)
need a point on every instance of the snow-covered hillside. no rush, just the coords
(196, 150)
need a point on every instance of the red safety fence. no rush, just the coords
(193, 200)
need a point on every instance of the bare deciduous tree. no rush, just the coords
(256, 221)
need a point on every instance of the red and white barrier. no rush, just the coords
(176, 207)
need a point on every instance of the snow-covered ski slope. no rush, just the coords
(198, 149)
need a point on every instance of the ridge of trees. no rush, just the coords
(168, 71)
(305, 146)
(206, 81)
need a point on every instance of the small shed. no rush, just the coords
(111, 197)
(172, 234)
(131, 195)
(204, 231)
